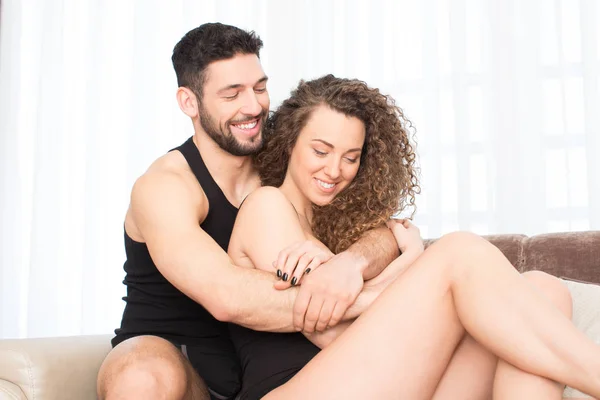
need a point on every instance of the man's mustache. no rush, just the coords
(248, 119)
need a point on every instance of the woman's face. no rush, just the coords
(326, 156)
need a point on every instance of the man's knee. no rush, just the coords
(553, 289)
(145, 370)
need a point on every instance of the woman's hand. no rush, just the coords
(407, 235)
(299, 259)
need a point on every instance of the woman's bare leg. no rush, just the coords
(470, 373)
(400, 347)
(512, 383)
(475, 373)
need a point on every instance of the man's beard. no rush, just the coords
(226, 140)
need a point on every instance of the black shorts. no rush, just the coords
(194, 355)
(269, 359)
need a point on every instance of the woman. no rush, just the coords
(337, 162)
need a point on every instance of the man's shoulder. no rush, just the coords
(168, 179)
(172, 162)
(166, 170)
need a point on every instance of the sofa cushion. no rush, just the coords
(586, 315)
(52, 368)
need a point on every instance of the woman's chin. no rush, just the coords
(322, 201)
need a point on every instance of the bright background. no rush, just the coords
(504, 95)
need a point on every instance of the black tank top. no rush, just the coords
(155, 307)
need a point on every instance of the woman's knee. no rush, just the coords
(553, 289)
(463, 248)
(145, 371)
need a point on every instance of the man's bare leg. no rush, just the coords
(401, 346)
(149, 367)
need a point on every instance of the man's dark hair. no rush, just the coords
(206, 44)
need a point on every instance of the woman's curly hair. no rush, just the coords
(386, 181)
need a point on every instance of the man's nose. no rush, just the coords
(251, 105)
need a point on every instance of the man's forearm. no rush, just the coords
(375, 250)
(251, 301)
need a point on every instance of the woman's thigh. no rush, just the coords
(399, 348)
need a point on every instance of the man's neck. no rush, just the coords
(235, 175)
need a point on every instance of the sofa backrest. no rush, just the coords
(573, 255)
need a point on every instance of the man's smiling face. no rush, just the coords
(235, 104)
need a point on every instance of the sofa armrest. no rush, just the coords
(51, 368)
(10, 391)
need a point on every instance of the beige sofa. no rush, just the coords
(66, 368)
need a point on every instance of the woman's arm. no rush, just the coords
(265, 224)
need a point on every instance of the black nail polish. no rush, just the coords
(279, 273)
(294, 280)
(307, 271)
(285, 276)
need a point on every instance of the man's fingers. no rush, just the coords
(312, 314)
(300, 307)
(325, 316)
(338, 313)
(282, 285)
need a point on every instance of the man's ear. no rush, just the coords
(188, 103)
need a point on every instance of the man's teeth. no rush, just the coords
(326, 185)
(247, 126)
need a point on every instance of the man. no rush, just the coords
(181, 286)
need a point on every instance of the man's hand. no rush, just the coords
(297, 260)
(326, 294)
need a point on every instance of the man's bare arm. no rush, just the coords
(167, 217)
(166, 213)
(375, 250)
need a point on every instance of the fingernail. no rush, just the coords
(279, 273)
(307, 271)
(285, 276)
(294, 280)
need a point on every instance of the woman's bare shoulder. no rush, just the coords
(268, 198)
(266, 223)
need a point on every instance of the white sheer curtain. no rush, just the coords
(505, 98)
